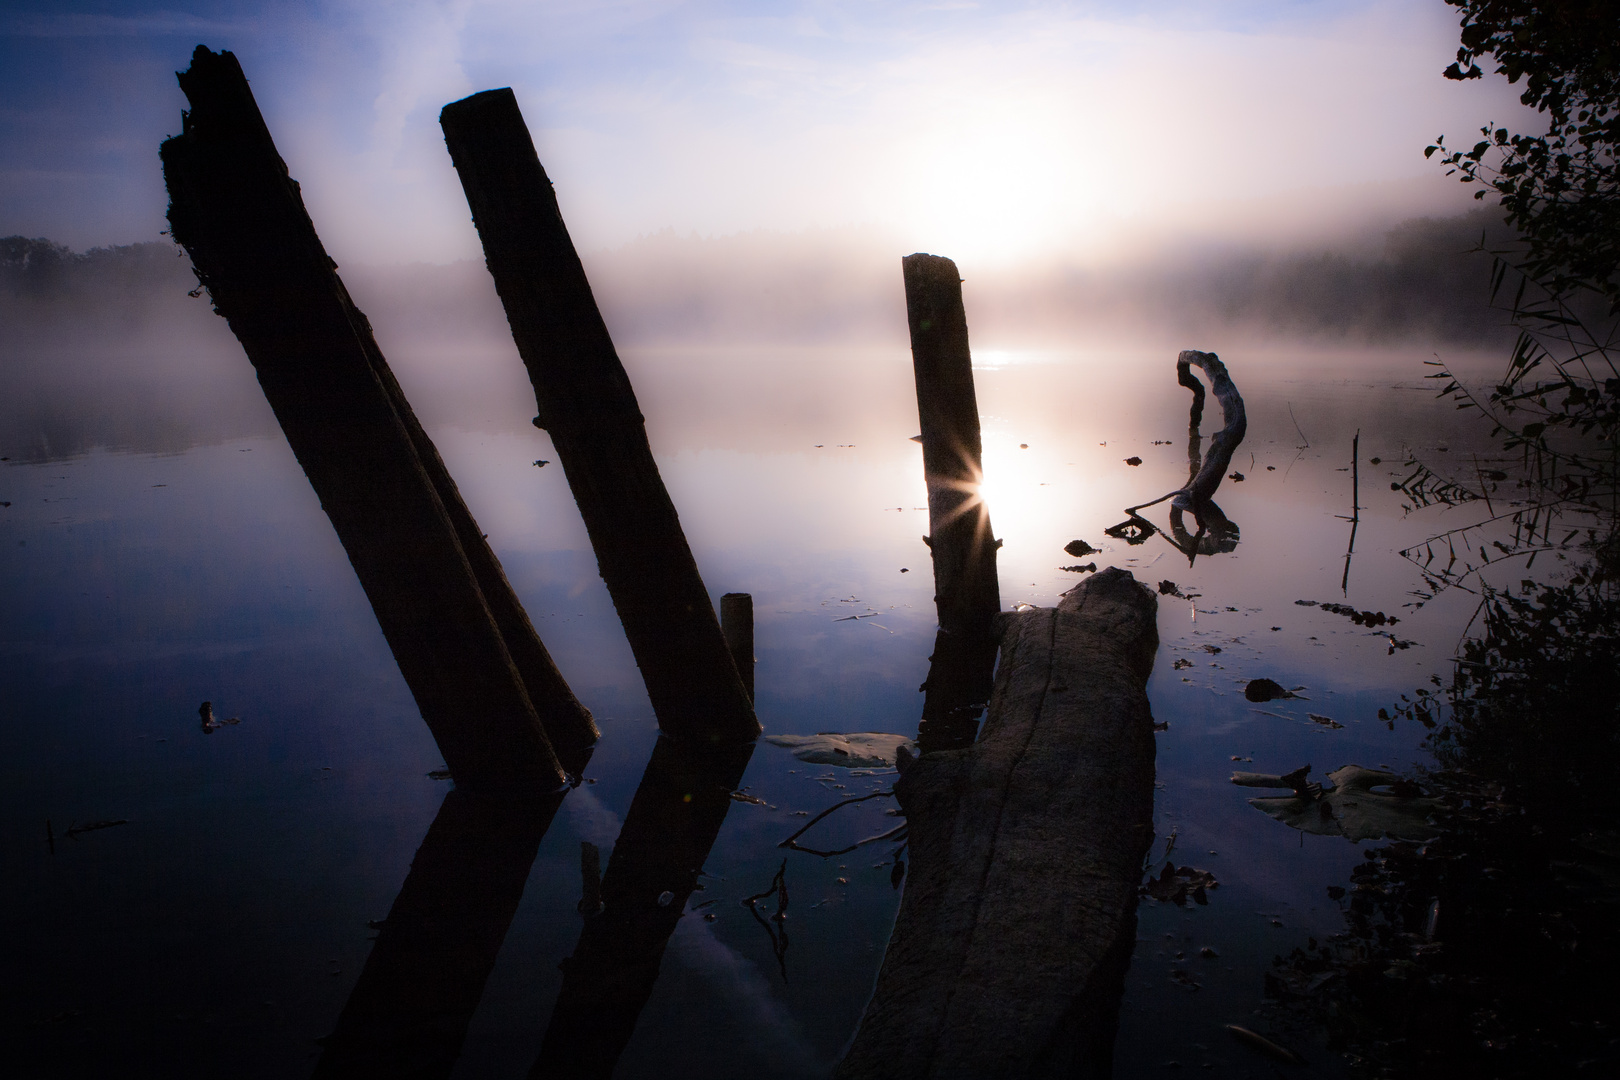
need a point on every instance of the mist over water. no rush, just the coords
(105, 348)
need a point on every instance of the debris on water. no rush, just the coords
(74, 830)
(1181, 662)
(1161, 725)
(1268, 690)
(1358, 804)
(1271, 468)
(1360, 618)
(1023, 446)
(1396, 643)
(1168, 588)
(541, 463)
(1236, 477)
(1183, 978)
(1208, 953)
(209, 725)
(439, 774)
(861, 750)
(1306, 603)
(1295, 780)
(1133, 461)
(1211, 649)
(1325, 721)
(1088, 568)
(1256, 1041)
(666, 898)
(905, 569)
(743, 796)
(1177, 883)
(1079, 549)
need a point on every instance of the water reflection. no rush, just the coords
(408, 1013)
(814, 525)
(667, 835)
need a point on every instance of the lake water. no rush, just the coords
(222, 927)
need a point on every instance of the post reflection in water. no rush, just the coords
(961, 672)
(668, 832)
(408, 1013)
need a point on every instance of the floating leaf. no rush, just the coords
(1362, 804)
(862, 750)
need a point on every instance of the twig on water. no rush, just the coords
(789, 842)
(1355, 508)
(778, 933)
(1302, 438)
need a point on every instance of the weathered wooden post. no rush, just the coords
(1018, 920)
(737, 625)
(407, 1016)
(394, 507)
(966, 591)
(586, 403)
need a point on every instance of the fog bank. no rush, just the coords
(106, 347)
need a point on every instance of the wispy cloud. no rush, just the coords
(86, 25)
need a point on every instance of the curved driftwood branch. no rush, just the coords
(1221, 445)
(1009, 951)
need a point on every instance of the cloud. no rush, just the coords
(83, 25)
(995, 134)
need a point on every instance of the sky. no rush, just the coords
(995, 131)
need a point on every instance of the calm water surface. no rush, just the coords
(221, 929)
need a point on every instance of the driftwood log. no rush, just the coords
(486, 687)
(1234, 425)
(586, 403)
(1018, 920)
(966, 592)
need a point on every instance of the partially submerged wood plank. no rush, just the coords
(1009, 951)
(586, 403)
(966, 592)
(394, 507)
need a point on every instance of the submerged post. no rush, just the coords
(586, 403)
(407, 533)
(967, 593)
(737, 624)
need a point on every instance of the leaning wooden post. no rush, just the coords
(737, 624)
(585, 402)
(966, 591)
(395, 509)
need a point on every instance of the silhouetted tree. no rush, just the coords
(1561, 189)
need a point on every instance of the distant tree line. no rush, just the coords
(1430, 284)
(39, 266)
